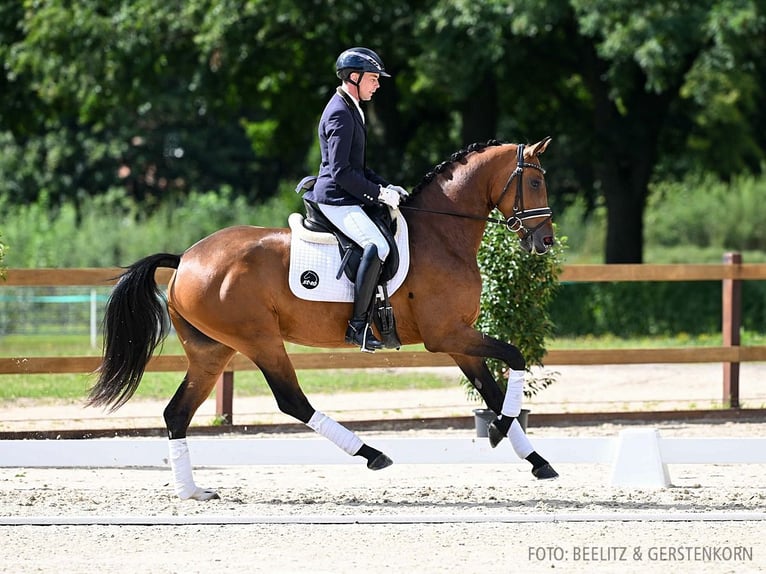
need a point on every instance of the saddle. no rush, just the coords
(351, 254)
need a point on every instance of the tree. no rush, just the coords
(162, 99)
(629, 85)
(644, 66)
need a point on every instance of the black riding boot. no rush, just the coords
(359, 331)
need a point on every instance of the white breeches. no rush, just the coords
(354, 222)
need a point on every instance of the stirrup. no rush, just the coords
(365, 338)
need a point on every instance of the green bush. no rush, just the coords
(694, 220)
(113, 229)
(651, 308)
(517, 290)
(2, 257)
(703, 211)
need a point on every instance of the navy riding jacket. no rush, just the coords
(343, 176)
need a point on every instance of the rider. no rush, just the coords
(345, 183)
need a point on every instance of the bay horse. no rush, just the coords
(229, 293)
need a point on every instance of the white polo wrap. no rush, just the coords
(335, 432)
(514, 394)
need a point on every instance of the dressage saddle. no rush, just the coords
(351, 256)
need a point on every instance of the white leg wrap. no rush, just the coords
(180, 464)
(514, 394)
(183, 480)
(335, 432)
(519, 440)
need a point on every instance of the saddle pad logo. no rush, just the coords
(309, 279)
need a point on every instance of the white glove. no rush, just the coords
(403, 193)
(388, 196)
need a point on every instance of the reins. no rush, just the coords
(514, 223)
(453, 214)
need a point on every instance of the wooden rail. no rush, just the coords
(403, 359)
(731, 273)
(735, 270)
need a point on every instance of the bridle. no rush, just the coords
(515, 222)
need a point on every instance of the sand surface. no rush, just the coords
(407, 518)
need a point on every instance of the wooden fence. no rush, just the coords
(731, 354)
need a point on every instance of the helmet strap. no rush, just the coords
(357, 84)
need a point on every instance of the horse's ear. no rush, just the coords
(539, 147)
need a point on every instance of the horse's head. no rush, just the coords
(523, 200)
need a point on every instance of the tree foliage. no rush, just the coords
(163, 98)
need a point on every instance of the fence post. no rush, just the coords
(224, 398)
(731, 324)
(93, 323)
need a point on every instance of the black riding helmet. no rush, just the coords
(359, 60)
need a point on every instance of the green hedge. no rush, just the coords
(651, 308)
(114, 229)
(2, 257)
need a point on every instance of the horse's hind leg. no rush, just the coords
(271, 358)
(207, 360)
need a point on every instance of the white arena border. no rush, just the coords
(371, 519)
(639, 457)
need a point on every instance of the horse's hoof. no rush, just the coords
(203, 494)
(495, 434)
(544, 472)
(379, 462)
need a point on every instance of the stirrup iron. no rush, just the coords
(360, 333)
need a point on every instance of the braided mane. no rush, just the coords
(455, 157)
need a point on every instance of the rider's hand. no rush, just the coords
(389, 197)
(403, 193)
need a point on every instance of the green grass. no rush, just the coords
(659, 342)
(74, 387)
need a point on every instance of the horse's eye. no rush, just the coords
(535, 184)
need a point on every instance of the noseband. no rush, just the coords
(515, 222)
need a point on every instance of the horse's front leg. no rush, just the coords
(469, 348)
(507, 408)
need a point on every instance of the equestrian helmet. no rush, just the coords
(359, 60)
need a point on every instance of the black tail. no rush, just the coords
(134, 325)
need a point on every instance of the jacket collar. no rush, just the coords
(352, 104)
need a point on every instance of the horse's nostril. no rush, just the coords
(548, 240)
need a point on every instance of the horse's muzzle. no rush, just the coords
(537, 242)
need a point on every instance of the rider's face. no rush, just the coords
(368, 86)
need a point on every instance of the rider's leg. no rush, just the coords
(355, 224)
(359, 331)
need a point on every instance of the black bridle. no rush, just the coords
(515, 222)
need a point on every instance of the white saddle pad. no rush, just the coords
(315, 260)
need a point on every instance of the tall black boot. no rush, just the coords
(359, 331)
